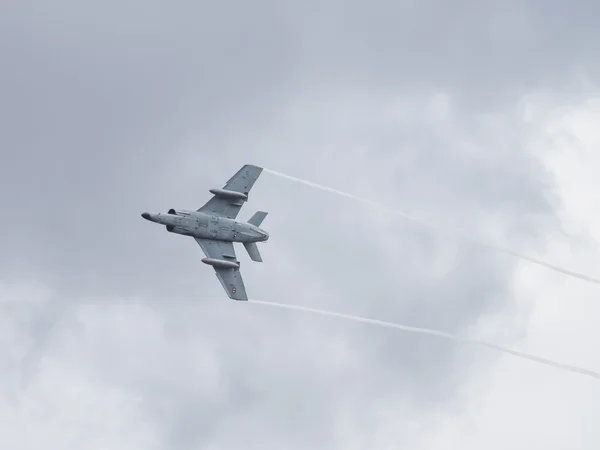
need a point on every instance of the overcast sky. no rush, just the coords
(476, 116)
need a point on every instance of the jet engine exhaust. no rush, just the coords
(381, 323)
(434, 228)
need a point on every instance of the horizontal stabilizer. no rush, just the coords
(257, 218)
(252, 250)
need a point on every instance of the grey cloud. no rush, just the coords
(488, 52)
(95, 108)
(111, 111)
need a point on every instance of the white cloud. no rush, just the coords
(64, 404)
(521, 405)
(409, 103)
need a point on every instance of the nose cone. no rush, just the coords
(146, 216)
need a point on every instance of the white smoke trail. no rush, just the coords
(441, 334)
(424, 224)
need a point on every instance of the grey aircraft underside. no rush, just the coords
(215, 229)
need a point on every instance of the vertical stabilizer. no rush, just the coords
(252, 250)
(257, 218)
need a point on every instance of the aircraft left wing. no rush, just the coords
(242, 182)
(230, 278)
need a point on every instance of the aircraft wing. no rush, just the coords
(242, 181)
(231, 279)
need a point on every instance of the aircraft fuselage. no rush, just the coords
(207, 226)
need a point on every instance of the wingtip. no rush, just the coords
(237, 296)
(253, 166)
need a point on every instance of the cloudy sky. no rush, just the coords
(481, 117)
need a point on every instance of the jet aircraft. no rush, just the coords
(215, 228)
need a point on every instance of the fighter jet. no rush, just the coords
(215, 229)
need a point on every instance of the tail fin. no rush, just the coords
(252, 250)
(257, 218)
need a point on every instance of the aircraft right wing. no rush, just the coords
(242, 181)
(230, 278)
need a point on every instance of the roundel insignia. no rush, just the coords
(233, 290)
